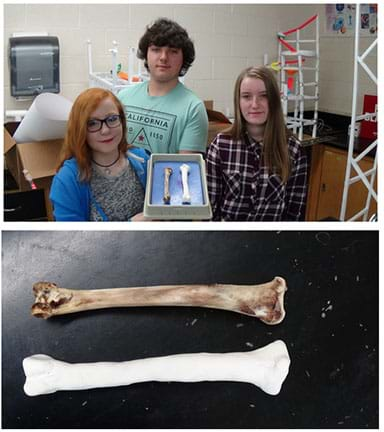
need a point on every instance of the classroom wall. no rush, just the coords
(227, 39)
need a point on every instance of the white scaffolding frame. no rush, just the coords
(300, 94)
(110, 80)
(367, 177)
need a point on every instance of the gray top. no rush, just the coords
(120, 196)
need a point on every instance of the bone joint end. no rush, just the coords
(272, 311)
(48, 298)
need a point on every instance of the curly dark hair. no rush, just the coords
(165, 32)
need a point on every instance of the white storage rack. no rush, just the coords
(299, 53)
(367, 177)
(110, 80)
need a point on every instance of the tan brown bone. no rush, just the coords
(264, 301)
(167, 195)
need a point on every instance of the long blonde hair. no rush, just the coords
(275, 147)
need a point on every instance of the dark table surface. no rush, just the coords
(333, 378)
(341, 141)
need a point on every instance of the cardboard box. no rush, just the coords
(40, 158)
(208, 104)
(217, 123)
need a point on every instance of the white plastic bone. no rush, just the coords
(266, 367)
(184, 169)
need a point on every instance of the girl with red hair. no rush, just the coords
(100, 177)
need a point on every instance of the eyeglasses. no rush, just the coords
(112, 121)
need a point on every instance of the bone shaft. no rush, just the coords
(215, 296)
(184, 179)
(166, 185)
(167, 196)
(180, 367)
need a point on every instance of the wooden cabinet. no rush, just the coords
(326, 185)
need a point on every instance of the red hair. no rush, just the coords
(75, 141)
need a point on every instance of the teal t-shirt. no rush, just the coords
(165, 124)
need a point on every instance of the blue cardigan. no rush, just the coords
(71, 198)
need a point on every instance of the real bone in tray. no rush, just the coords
(167, 196)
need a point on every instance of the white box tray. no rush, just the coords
(154, 208)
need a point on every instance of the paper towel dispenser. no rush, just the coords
(34, 65)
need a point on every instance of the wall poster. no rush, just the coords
(340, 18)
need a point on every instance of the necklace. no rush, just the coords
(106, 167)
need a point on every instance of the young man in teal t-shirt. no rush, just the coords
(163, 116)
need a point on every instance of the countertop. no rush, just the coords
(341, 141)
(331, 327)
(333, 131)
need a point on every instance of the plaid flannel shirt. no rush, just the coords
(241, 189)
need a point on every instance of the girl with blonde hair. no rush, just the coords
(256, 169)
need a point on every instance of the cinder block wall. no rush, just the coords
(227, 39)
